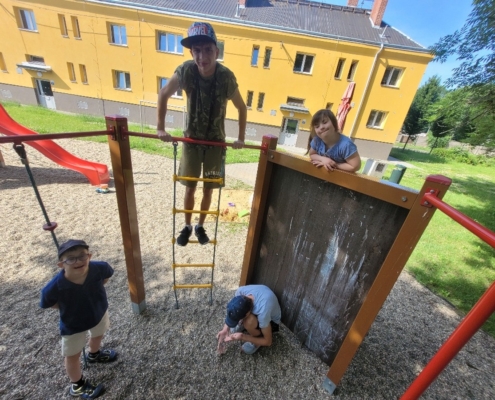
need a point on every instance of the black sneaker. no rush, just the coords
(183, 238)
(86, 391)
(275, 327)
(200, 233)
(103, 356)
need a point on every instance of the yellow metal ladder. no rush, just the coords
(176, 211)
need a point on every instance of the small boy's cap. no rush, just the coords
(237, 309)
(199, 31)
(70, 244)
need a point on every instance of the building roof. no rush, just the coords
(297, 16)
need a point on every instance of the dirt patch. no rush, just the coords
(235, 205)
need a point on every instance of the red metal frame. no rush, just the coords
(473, 320)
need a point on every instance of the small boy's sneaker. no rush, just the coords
(275, 327)
(249, 348)
(86, 391)
(200, 233)
(183, 237)
(103, 356)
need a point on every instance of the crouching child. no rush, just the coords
(78, 292)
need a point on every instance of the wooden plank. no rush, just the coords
(383, 190)
(120, 154)
(320, 249)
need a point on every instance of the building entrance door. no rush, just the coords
(45, 94)
(288, 134)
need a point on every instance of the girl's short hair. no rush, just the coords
(317, 117)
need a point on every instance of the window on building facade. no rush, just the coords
(3, 66)
(82, 72)
(352, 70)
(303, 63)
(35, 59)
(163, 81)
(376, 119)
(170, 43)
(392, 76)
(249, 99)
(329, 106)
(63, 25)
(261, 100)
(27, 20)
(72, 73)
(268, 56)
(122, 80)
(254, 56)
(221, 48)
(340, 68)
(118, 35)
(75, 28)
(294, 101)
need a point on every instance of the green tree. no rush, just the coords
(427, 95)
(474, 47)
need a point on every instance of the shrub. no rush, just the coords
(461, 155)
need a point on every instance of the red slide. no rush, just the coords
(96, 173)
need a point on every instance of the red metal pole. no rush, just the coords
(466, 329)
(483, 233)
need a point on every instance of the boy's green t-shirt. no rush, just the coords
(206, 100)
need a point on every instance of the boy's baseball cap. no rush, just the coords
(199, 31)
(70, 244)
(237, 309)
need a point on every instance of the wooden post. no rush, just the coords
(120, 153)
(261, 187)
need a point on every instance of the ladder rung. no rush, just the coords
(190, 179)
(178, 210)
(195, 241)
(193, 265)
(194, 286)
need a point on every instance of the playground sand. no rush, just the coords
(169, 353)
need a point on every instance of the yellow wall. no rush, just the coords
(144, 63)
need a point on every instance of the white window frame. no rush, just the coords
(84, 74)
(267, 58)
(3, 66)
(76, 31)
(249, 99)
(388, 75)
(303, 64)
(72, 72)
(178, 49)
(63, 25)
(221, 50)
(261, 101)
(376, 119)
(118, 40)
(27, 19)
(339, 68)
(162, 81)
(122, 76)
(255, 55)
(352, 70)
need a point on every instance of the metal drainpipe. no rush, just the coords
(351, 133)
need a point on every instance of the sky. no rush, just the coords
(425, 22)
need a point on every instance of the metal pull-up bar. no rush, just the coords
(473, 320)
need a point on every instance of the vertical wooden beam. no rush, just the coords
(415, 224)
(261, 187)
(120, 153)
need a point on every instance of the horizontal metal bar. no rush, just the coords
(177, 210)
(195, 241)
(193, 265)
(194, 141)
(190, 179)
(194, 286)
(51, 136)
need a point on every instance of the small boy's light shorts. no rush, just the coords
(73, 344)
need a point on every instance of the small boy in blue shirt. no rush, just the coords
(77, 291)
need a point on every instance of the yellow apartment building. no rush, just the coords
(291, 58)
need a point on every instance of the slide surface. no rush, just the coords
(96, 173)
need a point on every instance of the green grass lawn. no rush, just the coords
(448, 259)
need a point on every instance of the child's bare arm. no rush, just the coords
(105, 281)
(352, 164)
(55, 306)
